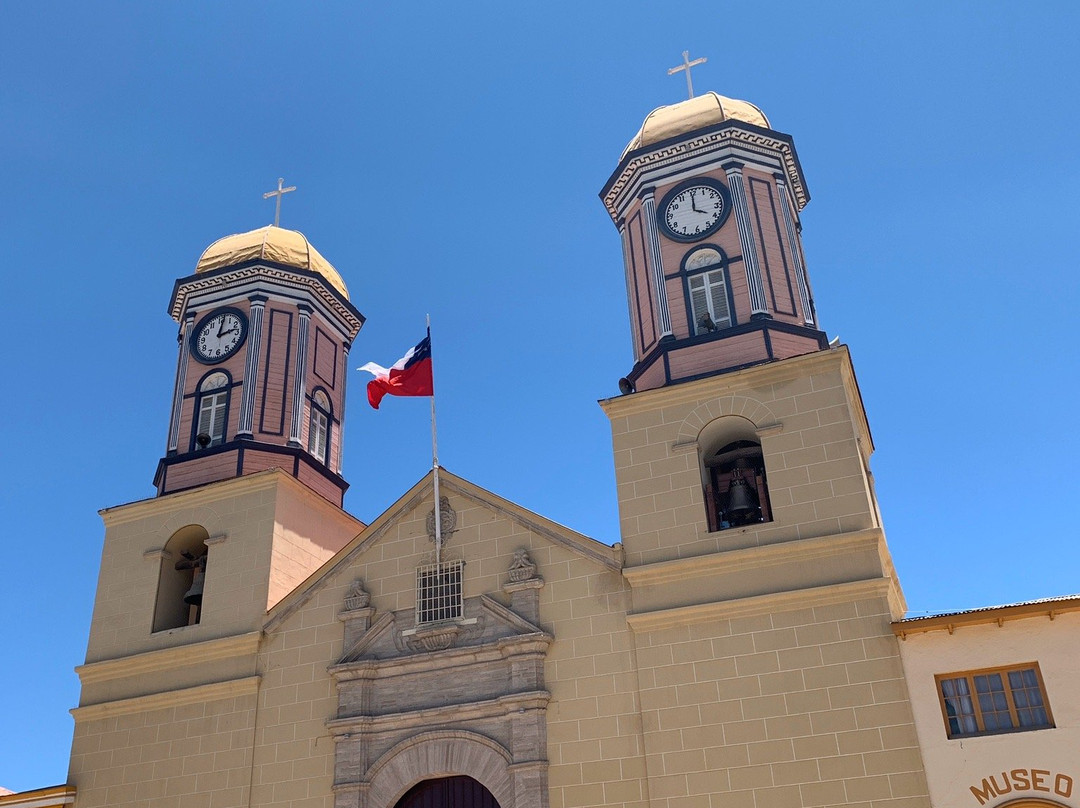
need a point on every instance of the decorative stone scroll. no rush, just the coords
(357, 597)
(524, 586)
(448, 517)
(521, 568)
(439, 636)
(357, 613)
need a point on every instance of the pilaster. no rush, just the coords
(796, 250)
(758, 305)
(251, 365)
(300, 379)
(181, 380)
(648, 205)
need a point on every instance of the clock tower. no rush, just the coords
(249, 491)
(265, 330)
(707, 197)
(748, 517)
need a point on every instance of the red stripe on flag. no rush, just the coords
(414, 380)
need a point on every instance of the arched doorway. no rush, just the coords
(459, 791)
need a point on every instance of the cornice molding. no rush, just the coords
(762, 141)
(733, 382)
(432, 716)
(768, 555)
(192, 497)
(214, 492)
(610, 556)
(287, 277)
(998, 615)
(762, 604)
(151, 662)
(172, 698)
(51, 797)
(527, 645)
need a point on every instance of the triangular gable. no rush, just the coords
(500, 624)
(578, 543)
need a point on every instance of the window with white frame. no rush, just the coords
(707, 285)
(213, 409)
(439, 592)
(319, 426)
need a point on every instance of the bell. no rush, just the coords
(741, 497)
(193, 597)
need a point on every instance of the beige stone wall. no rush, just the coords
(196, 753)
(294, 753)
(259, 549)
(778, 707)
(954, 767)
(174, 715)
(813, 436)
(241, 511)
(757, 664)
(594, 743)
(767, 667)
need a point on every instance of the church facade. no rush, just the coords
(743, 645)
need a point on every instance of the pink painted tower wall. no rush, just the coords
(738, 293)
(284, 397)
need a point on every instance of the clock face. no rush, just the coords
(694, 209)
(219, 335)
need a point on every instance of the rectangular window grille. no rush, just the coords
(438, 592)
(989, 702)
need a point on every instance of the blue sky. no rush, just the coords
(938, 142)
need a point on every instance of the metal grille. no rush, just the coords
(438, 592)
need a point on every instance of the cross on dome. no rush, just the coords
(686, 65)
(280, 192)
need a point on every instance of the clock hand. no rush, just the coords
(693, 203)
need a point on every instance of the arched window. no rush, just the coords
(707, 290)
(733, 474)
(212, 411)
(319, 426)
(180, 579)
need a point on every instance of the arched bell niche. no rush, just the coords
(733, 475)
(180, 579)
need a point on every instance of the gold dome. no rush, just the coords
(270, 244)
(694, 113)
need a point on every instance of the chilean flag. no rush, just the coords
(410, 375)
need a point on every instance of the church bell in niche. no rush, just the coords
(738, 495)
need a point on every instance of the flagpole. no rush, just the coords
(435, 463)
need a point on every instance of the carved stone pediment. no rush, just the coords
(395, 635)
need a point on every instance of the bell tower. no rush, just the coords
(249, 491)
(753, 544)
(265, 330)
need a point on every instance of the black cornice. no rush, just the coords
(705, 130)
(304, 273)
(241, 445)
(667, 345)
